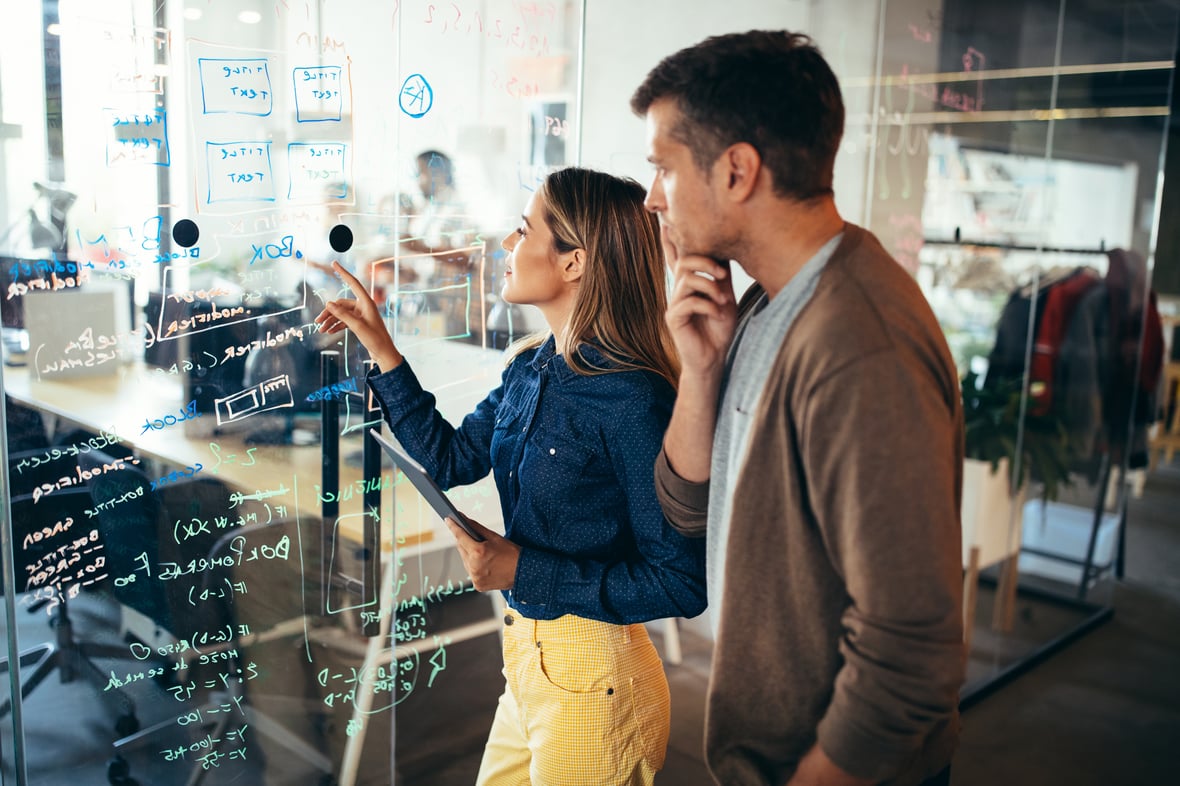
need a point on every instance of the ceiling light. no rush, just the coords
(249, 17)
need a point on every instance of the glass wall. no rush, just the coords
(209, 569)
(211, 576)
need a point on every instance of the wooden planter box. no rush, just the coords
(991, 521)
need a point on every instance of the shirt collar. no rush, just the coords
(546, 357)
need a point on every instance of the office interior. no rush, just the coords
(210, 575)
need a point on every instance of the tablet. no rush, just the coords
(425, 484)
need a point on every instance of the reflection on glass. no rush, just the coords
(1018, 182)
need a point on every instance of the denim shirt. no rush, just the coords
(573, 459)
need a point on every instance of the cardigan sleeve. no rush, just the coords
(882, 445)
(685, 503)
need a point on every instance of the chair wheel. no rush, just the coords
(126, 725)
(118, 771)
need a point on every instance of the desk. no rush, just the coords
(119, 403)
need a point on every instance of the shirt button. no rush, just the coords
(508, 619)
(510, 472)
(552, 452)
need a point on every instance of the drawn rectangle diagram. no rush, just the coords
(319, 94)
(274, 393)
(239, 171)
(235, 85)
(313, 166)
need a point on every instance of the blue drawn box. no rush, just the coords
(239, 171)
(236, 85)
(319, 93)
(313, 166)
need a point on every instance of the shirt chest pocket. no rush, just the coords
(558, 471)
(507, 436)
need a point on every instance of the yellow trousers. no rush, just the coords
(585, 702)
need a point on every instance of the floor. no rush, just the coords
(1105, 710)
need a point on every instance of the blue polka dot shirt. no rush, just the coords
(573, 459)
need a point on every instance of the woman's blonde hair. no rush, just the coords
(622, 294)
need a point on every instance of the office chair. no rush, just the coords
(58, 517)
(278, 617)
(175, 523)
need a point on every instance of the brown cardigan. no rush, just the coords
(842, 612)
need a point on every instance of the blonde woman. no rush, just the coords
(570, 435)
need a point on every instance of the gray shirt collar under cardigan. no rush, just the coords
(750, 357)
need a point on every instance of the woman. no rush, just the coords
(571, 435)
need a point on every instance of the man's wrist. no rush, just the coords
(700, 383)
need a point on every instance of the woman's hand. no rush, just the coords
(492, 563)
(363, 318)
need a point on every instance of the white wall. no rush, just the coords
(625, 39)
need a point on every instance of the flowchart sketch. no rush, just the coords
(319, 93)
(314, 167)
(239, 171)
(235, 85)
(137, 138)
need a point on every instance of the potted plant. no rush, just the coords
(992, 419)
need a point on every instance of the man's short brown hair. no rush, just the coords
(770, 89)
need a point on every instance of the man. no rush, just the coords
(441, 231)
(817, 435)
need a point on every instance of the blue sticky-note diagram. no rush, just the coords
(235, 85)
(239, 171)
(319, 93)
(317, 170)
(416, 96)
(138, 138)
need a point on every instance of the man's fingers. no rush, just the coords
(698, 287)
(685, 311)
(695, 264)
